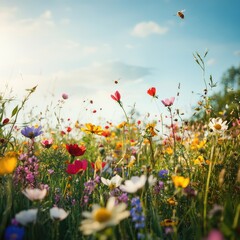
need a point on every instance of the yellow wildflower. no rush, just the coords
(169, 150)
(180, 181)
(122, 124)
(91, 128)
(199, 160)
(8, 163)
(98, 164)
(118, 145)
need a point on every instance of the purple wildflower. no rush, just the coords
(163, 174)
(27, 171)
(14, 232)
(138, 216)
(158, 187)
(31, 132)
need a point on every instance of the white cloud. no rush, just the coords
(12, 26)
(95, 81)
(145, 29)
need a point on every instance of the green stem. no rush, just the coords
(152, 152)
(206, 192)
(8, 206)
(174, 139)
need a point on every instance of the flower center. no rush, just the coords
(102, 215)
(112, 186)
(217, 126)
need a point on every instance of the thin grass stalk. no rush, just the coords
(205, 200)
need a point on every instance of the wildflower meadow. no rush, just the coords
(163, 178)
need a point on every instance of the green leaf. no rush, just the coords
(14, 111)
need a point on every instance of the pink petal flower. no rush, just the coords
(116, 96)
(168, 101)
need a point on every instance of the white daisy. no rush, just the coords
(134, 184)
(101, 218)
(58, 213)
(151, 180)
(217, 125)
(113, 183)
(35, 194)
(26, 216)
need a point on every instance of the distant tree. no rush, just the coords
(227, 100)
(224, 103)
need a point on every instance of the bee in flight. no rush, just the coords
(180, 14)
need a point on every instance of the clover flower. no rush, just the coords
(32, 132)
(103, 217)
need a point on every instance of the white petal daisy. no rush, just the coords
(134, 184)
(26, 216)
(217, 125)
(113, 183)
(101, 217)
(35, 194)
(58, 213)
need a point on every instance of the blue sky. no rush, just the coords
(81, 47)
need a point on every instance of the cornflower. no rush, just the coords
(31, 132)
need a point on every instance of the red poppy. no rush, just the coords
(106, 133)
(152, 92)
(77, 166)
(69, 129)
(75, 150)
(116, 96)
